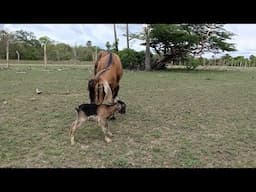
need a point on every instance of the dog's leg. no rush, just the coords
(74, 126)
(115, 96)
(108, 131)
(104, 126)
(112, 117)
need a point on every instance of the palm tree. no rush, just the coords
(116, 40)
(44, 40)
(18, 56)
(127, 36)
(147, 53)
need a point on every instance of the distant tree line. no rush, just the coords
(166, 44)
(225, 60)
(28, 47)
(132, 59)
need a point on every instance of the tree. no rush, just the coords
(28, 46)
(252, 60)
(74, 48)
(88, 43)
(174, 42)
(65, 51)
(127, 36)
(147, 53)
(116, 40)
(89, 49)
(144, 36)
(44, 40)
(240, 60)
(28, 38)
(178, 41)
(18, 56)
(7, 37)
(227, 59)
(132, 59)
(108, 45)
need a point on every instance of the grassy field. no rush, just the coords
(41, 62)
(174, 119)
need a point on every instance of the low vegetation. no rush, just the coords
(175, 118)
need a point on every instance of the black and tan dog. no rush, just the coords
(99, 113)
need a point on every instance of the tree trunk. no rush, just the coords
(127, 36)
(74, 52)
(116, 42)
(18, 55)
(58, 55)
(147, 58)
(45, 56)
(96, 55)
(160, 63)
(147, 54)
(7, 53)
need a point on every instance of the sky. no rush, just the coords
(99, 34)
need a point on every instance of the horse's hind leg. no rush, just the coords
(115, 93)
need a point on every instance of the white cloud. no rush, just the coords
(79, 34)
(244, 39)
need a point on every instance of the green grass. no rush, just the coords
(174, 118)
(41, 62)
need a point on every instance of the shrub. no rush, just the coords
(192, 63)
(132, 59)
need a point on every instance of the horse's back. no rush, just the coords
(104, 59)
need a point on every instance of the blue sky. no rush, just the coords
(99, 34)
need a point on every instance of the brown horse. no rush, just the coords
(104, 87)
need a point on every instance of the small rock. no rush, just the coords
(32, 99)
(38, 91)
(84, 147)
(5, 102)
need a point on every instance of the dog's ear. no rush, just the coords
(119, 106)
(121, 102)
(116, 100)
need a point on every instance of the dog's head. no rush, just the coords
(121, 107)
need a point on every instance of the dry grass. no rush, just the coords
(174, 119)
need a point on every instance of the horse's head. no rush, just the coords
(99, 90)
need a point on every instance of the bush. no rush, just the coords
(192, 63)
(132, 59)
